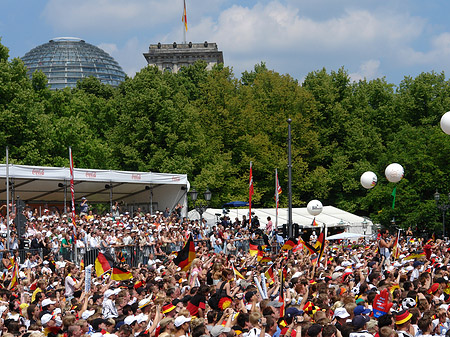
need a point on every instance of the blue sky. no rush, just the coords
(370, 39)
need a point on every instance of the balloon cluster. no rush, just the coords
(394, 173)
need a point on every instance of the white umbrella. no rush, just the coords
(345, 236)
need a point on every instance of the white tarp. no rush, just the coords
(39, 184)
(331, 216)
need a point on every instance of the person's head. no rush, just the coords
(386, 331)
(125, 331)
(315, 330)
(403, 320)
(219, 331)
(74, 331)
(254, 318)
(182, 323)
(425, 325)
(329, 330)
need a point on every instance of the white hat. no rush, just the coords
(111, 292)
(46, 318)
(346, 263)
(341, 313)
(338, 268)
(142, 318)
(180, 320)
(47, 301)
(297, 274)
(129, 320)
(88, 313)
(144, 302)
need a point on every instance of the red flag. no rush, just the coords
(277, 189)
(72, 191)
(314, 223)
(289, 244)
(269, 275)
(251, 191)
(184, 17)
(281, 299)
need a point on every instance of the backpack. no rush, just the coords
(213, 301)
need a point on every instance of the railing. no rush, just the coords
(134, 255)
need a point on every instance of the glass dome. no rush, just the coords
(66, 60)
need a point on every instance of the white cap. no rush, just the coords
(88, 313)
(129, 319)
(180, 320)
(142, 318)
(47, 301)
(341, 313)
(46, 318)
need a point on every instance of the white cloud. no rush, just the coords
(368, 70)
(127, 55)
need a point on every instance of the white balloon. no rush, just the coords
(445, 123)
(394, 172)
(314, 207)
(369, 179)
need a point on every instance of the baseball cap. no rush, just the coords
(361, 310)
(341, 313)
(360, 320)
(46, 318)
(47, 301)
(180, 320)
(293, 312)
(218, 329)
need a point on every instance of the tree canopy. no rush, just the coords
(211, 124)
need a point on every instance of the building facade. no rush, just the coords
(172, 57)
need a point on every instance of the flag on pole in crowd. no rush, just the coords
(281, 298)
(289, 244)
(320, 245)
(15, 276)
(251, 191)
(307, 246)
(72, 192)
(394, 193)
(414, 255)
(277, 190)
(314, 223)
(186, 255)
(120, 274)
(237, 274)
(270, 275)
(184, 17)
(396, 248)
(103, 263)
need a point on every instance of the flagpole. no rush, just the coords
(72, 192)
(7, 199)
(250, 193)
(276, 198)
(289, 224)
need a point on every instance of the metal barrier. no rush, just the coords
(133, 255)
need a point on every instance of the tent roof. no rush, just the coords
(36, 184)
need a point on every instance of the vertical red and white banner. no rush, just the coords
(277, 195)
(250, 193)
(72, 192)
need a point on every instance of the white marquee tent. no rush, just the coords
(331, 216)
(51, 185)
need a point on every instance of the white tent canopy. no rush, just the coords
(39, 184)
(331, 216)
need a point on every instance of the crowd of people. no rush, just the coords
(388, 287)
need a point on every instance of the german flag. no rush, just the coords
(82, 264)
(120, 256)
(120, 274)
(103, 263)
(186, 255)
(237, 274)
(307, 246)
(260, 255)
(281, 299)
(265, 259)
(393, 287)
(253, 248)
(314, 223)
(15, 276)
(415, 255)
(269, 275)
(320, 245)
(289, 244)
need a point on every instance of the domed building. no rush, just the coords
(66, 60)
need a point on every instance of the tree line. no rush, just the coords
(211, 124)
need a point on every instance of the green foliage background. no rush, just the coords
(210, 125)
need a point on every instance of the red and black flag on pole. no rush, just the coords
(281, 299)
(186, 255)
